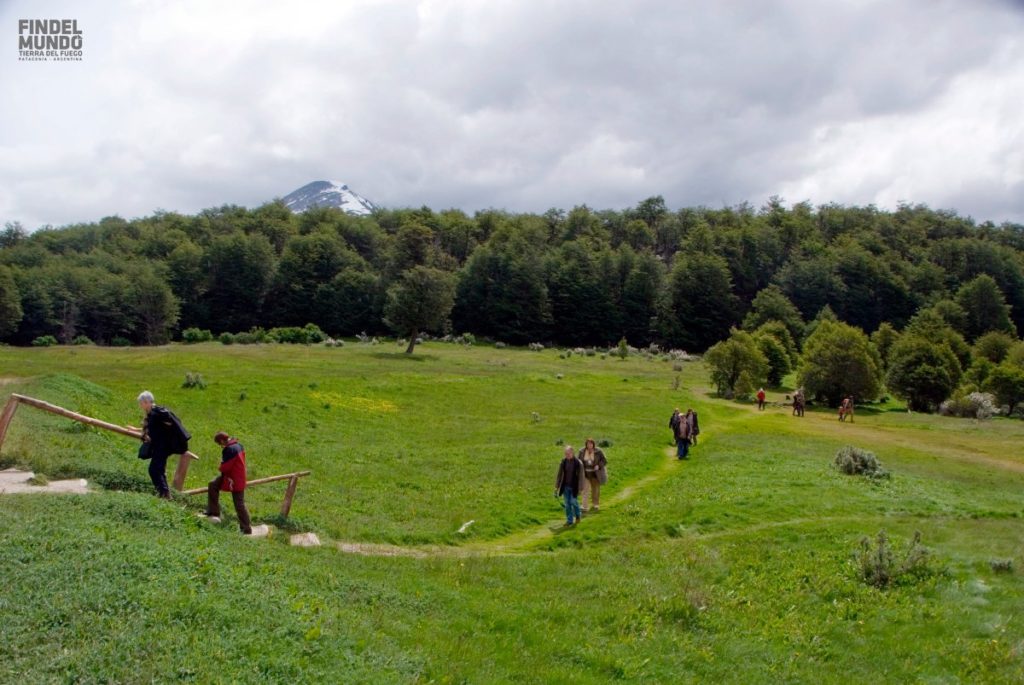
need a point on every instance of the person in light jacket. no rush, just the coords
(569, 484)
(232, 479)
(595, 474)
(684, 433)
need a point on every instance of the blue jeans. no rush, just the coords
(682, 448)
(571, 504)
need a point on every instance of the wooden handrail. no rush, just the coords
(16, 399)
(289, 493)
(258, 481)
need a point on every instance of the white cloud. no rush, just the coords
(521, 104)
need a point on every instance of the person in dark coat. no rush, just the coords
(162, 435)
(569, 484)
(694, 426)
(232, 479)
(673, 422)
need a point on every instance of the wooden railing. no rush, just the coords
(184, 460)
(289, 493)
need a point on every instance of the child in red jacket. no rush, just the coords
(231, 479)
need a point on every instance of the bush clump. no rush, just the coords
(44, 341)
(194, 380)
(226, 338)
(976, 405)
(120, 341)
(853, 461)
(191, 336)
(310, 334)
(878, 566)
(82, 340)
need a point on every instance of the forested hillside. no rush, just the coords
(582, 277)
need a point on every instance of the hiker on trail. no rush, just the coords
(673, 423)
(694, 426)
(595, 471)
(231, 479)
(798, 402)
(846, 409)
(162, 435)
(568, 484)
(760, 399)
(684, 432)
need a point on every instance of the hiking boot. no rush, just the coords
(577, 519)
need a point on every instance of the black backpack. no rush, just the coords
(177, 435)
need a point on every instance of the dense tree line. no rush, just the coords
(583, 277)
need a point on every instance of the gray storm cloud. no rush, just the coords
(522, 105)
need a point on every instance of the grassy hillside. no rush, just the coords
(737, 566)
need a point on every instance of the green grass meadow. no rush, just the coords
(737, 566)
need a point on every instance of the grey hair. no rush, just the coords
(146, 396)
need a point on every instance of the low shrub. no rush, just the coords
(194, 380)
(622, 350)
(226, 338)
(120, 341)
(309, 334)
(500, 345)
(1001, 565)
(332, 342)
(44, 341)
(536, 347)
(975, 405)
(878, 566)
(853, 461)
(82, 340)
(191, 336)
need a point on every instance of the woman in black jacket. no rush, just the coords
(162, 436)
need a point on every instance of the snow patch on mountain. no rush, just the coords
(328, 194)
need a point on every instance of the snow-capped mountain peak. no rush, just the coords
(327, 194)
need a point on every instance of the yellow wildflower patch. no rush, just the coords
(363, 404)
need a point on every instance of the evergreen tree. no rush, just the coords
(923, 371)
(419, 301)
(771, 304)
(10, 303)
(839, 360)
(700, 305)
(985, 307)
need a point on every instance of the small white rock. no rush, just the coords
(260, 531)
(304, 540)
(466, 525)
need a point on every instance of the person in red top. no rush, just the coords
(231, 479)
(760, 399)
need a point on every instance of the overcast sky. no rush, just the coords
(516, 104)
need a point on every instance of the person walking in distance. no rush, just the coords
(673, 423)
(595, 474)
(569, 484)
(684, 432)
(760, 399)
(232, 478)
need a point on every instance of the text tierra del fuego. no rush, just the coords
(46, 39)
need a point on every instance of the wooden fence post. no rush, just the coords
(6, 416)
(289, 493)
(184, 461)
